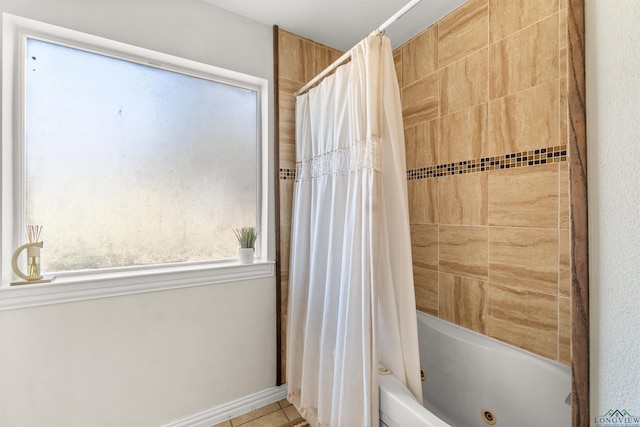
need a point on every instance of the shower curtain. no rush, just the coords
(351, 296)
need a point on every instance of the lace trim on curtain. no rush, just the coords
(362, 155)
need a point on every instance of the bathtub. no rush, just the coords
(475, 381)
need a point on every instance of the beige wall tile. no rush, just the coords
(286, 200)
(564, 261)
(287, 122)
(426, 286)
(564, 112)
(526, 319)
(525, 121)
(296, 57)
(563, 194)
(563, 4)
(287, 153)
(564, 331)
(463, 84)
(325, 56)
(421, 144)
(463, 135)
(424, 246)
(423, 201)
(524, 197)
(508, 16)
(563, 52)
(285, 246)
(420, 101)
(463, 31)
(463, 199)
(524, 258)
(420, 56)
(397, 62)
(463, 251)
(463, 301)
(526, 59)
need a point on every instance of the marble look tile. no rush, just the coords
(564, 331)
(524, 197)
(296, 57)
(226, 423)
(397, 62)
(525, 121)
(464, 84)
(563, 39)
(508, 16)
(564, 261)
(463, 199)
(524, 258)
(421, 144)
(325, 56)
(287, 121)
(463, 251)
(426, 287)
(255, 414)
(284, 294)
(292, 413)
(286, 200)
(563, 112)
(463, 135)
(463, 301)
(523, 318)
(420, 56)
(463, 31)
(423, 201)
(563, 4)
(564, 204)
(424, 246)
(285, 246)
(284, 403)
(420, 101)
(287, 100)
(286, 150)
(526, 59)
(274, 419)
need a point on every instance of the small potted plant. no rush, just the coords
(247, 240)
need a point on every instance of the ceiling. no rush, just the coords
(341, 23)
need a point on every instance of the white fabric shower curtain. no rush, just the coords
(351, 296)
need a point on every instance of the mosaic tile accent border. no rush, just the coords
(540, 156)
(287, 174)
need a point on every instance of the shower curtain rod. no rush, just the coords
(406, 8)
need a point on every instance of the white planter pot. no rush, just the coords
(246, 255)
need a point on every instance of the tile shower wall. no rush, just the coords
(484, 107)
(299, 60)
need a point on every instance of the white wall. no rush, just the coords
(613, 135)
(147, 359)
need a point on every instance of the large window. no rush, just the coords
(126, 157)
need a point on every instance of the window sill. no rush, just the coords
(104, 285)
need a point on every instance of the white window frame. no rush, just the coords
(75, 286)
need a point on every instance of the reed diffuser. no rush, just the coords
(33, 273)
(33, 252)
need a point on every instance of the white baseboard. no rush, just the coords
(229, 410)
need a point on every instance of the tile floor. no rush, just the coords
(277, 414)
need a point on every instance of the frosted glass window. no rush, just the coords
(128, 164)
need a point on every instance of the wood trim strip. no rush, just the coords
(577, 146)
(276, 202)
